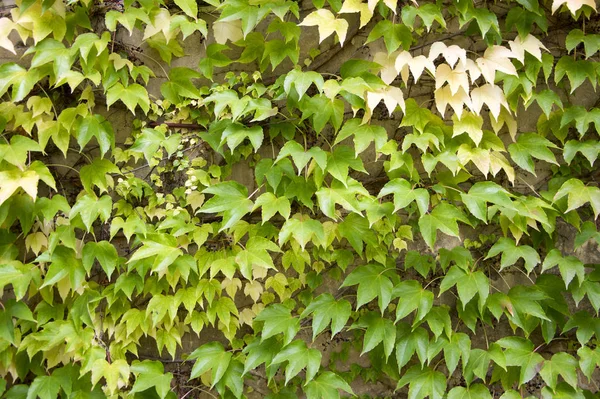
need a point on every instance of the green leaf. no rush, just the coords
(483, 192)
(372, 283)
(444, 218)
(236, 133)
(474, 391)
(97, 174)
(278, 319)
(190, 7)
(356, 230)
(132, 96)
(576, 70)
(301, 81)
(327, 386)
(423, 382)
(529, 146)
(98, 127)
(44, 387)
(104, 252)
(410, 342)
(412, 297)
(589, 359)
(569, 266)
(578, 195)
(520, 352)
(346, 196)
(299, 357)
(364, 134)
(211, 356)
(468, 284)
(394, 35)
(90, 208)
(511, 253)
(270, 205)
(404, 194)
(325, 309)
(561, 364)
(304, 229)
(214, 58)
(378, 330)
(151, 374)
(229, 198)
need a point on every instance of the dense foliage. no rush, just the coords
(414, 219)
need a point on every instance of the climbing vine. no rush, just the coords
(380, 199)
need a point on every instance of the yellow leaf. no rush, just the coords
(391, 96)
(231, 286)
(13, 179)
(253, 289)
(496, 58)
(444, 96)
(36, 241)
(416, 65)
(327, 24)
(228, 30)
(469, 123)
(479, 157)
(451, 53)
(573, 5)
(354, 6)
(493, 96)
(160, 23)
(6, 26)
(389, 71)
(456, 77)
(505, 118)
(530, 44)
(498, 162)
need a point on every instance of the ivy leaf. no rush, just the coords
(278, 319)
(468, 284)
(531, 145)
(511, 253)
(409, 342)
(256, 254)
(327, 24)
(404, 194)
(259, 352)
(474, 391)
(304, 229)
(98, 174)
(569, 266)
(302, 81)
(104, 252)
(589, 149)
(459, 346)
(576, 70)
(230, 198)
(270, 205)
(299, 357)
(561, 364)
(379, 329)
(151, 374)
(423, 382)
(573, 5)
(96, 126)
(327, 386)
(578, 195)
(342, 159)
(179, 85)
(412, 296)
(190, 7)
(483, 192)
(394, 35)
(91, 208)
(372, 283)
(328, 197)
(520, 352)
(235, 134)
(357, 231)
(444, 218)
(364, 134)
(211, 356)
(115, 374)
(14, 179)
(45, 387)
(132, 96)
(589, 359)
(214, 58)
(326, 309)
